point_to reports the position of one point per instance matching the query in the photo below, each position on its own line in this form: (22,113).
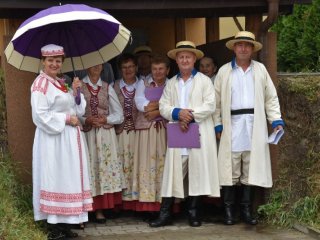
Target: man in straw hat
(245,97)
(144,56)
(188,98)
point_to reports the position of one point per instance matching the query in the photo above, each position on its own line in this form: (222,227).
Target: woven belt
(242,111)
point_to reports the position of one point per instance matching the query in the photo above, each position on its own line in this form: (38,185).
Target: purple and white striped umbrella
(90,36)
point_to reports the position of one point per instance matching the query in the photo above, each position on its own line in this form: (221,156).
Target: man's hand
(218,135)
(185,115)
(279,127)
(183,126)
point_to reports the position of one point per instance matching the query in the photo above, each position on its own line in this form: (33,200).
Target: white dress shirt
(184,88)
(242,96)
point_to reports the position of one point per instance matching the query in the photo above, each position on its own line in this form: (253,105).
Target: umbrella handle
(78,97)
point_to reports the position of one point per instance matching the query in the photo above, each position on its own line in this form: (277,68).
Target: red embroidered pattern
(40,85)
(61,87)
(64,197)
(66,210)
(80,155)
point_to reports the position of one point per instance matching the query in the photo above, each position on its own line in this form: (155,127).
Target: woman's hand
(96,121)
(100,121)
(89,121)
(154,105)
(74,121)
(77,83)
(152,115)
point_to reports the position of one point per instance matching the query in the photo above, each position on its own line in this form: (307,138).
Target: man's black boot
(229,200)
(246,205)
(193,211)
(165,217)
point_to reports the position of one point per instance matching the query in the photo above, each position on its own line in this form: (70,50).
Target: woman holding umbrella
(102,112)
(61,189)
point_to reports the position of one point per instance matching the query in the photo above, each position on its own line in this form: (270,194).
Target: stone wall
(295,196)
(299,151)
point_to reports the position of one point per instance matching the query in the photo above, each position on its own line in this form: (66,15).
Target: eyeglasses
(128,67)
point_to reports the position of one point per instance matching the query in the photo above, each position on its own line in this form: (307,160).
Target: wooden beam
(236,21)
(152,8)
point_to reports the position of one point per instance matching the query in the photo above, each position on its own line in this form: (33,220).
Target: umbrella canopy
(90,36)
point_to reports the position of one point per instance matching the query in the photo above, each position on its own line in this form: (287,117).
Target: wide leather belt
(242,111)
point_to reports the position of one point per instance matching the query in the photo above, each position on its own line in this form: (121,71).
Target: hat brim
(256,45)
(173,53)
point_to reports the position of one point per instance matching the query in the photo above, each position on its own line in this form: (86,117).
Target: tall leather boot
(246,205)
(229,200)
(193,211)
(55,233)
(165,217)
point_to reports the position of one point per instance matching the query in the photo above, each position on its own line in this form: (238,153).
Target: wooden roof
(153,8)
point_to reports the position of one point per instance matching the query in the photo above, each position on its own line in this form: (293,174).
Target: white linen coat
(202,164)
(266,103)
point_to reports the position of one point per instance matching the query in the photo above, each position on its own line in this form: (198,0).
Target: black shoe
(246,215)
(229,200)
(246,203)
(66,230)
(55,232)
(228,215)
(100,220)
(193,211)
(165,217)
(194,220)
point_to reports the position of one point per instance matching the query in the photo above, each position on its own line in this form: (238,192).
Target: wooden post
(212,29)
(180,29)
(253,23)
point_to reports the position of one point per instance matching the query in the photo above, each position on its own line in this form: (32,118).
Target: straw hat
(142,50)
(185,46)
(52,50)
(244,36)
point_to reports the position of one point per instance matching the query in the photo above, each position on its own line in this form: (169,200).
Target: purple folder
(179,139)
(153,93)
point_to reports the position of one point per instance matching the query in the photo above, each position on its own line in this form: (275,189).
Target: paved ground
(133,228)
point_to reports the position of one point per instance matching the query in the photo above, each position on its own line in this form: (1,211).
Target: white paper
(275,136)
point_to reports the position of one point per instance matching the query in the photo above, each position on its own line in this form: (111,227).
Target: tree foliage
(299,39)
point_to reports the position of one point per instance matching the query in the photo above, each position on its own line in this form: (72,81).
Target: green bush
(299,39)
(16,215)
